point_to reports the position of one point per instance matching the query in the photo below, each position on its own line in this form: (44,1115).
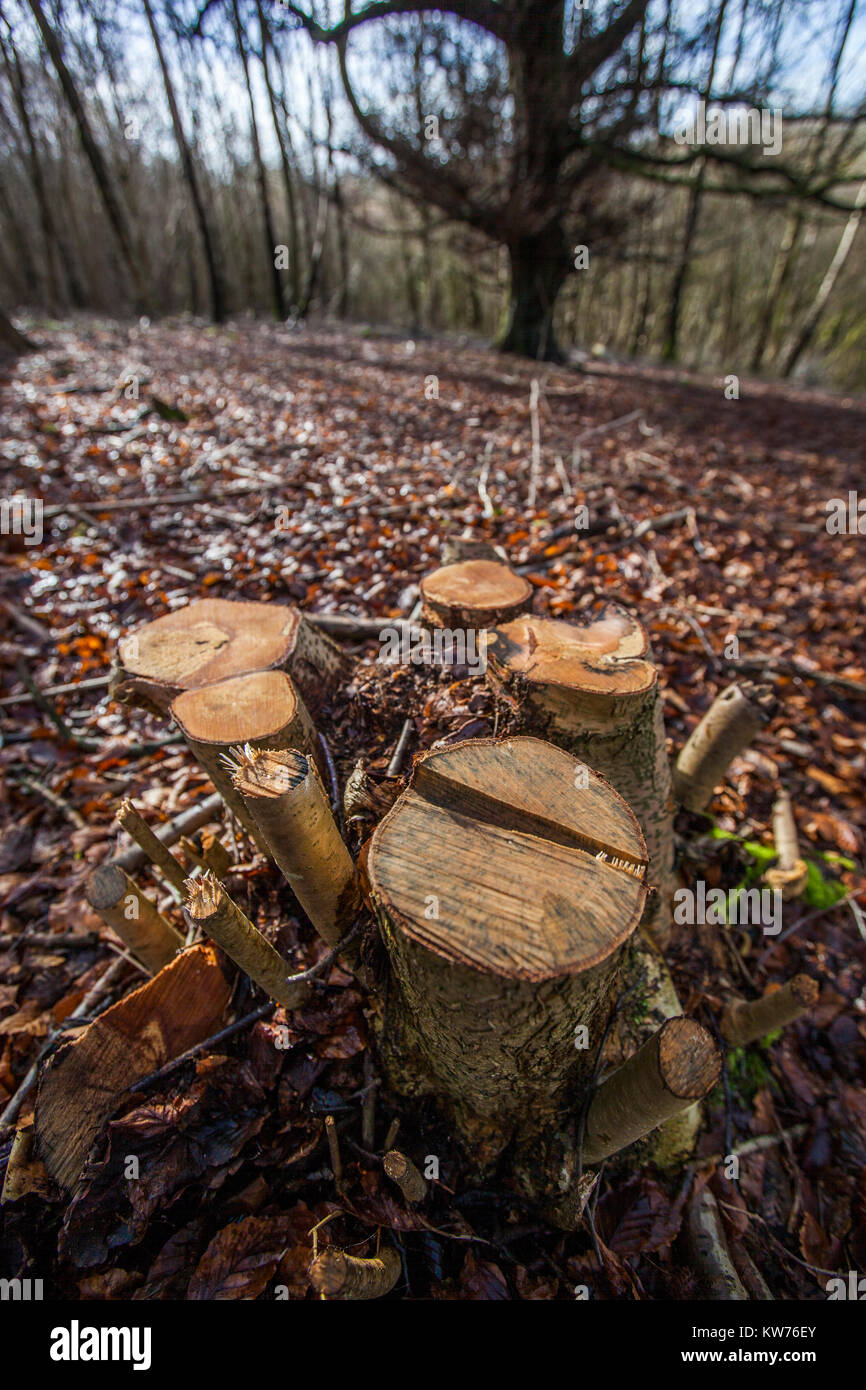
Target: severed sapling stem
(676,1067)
(157,852)
(134,917)
(285,798)
(744,1021)
(210,907)
(727,728)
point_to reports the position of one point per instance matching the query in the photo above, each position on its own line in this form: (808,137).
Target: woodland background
(154,156)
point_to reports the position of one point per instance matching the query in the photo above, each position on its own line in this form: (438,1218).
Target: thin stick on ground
(157,852)
(334,1150)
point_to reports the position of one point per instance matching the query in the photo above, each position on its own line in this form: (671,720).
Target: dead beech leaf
(241,1259)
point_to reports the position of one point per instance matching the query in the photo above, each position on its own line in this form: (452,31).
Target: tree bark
(505,897)
(590,690)
(540,265)
(217,298)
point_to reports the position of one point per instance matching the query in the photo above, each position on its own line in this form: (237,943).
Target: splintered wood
(83,1082)
(283,795)
(262,710)
(505,888)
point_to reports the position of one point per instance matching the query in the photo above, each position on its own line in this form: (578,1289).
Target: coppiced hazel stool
(590,688)
(263,710)
(214,639)
(505,892)
(473,594)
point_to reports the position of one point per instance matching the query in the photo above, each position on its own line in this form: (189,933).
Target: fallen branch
(336,1275)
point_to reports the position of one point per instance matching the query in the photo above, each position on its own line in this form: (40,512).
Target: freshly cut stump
(263,710)
(505,893)
(473,594)
(590,689)
(214,639)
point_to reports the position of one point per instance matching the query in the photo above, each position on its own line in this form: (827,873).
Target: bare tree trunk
(802,340)
(696,194)
(104,183)
(288,179)
(261,174)
(217,299)
(56,248)
(10,337)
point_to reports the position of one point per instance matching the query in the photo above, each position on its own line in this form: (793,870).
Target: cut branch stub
(212,640)
(727,728)
(284,796)
(675,1068)
(336,1275)
(473,594)
(262,709)
(590,689)
(210,907)
(505,892)
(744,1021)
(134,917)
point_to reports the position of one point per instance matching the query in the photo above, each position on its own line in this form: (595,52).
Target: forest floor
(328,468)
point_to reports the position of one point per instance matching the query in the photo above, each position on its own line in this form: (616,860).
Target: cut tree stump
(590,689)
(213,640)
(83,1082)
(474,594)
(505,892)
(263,710)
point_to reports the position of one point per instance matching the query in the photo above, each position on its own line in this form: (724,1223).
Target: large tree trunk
(540,265)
